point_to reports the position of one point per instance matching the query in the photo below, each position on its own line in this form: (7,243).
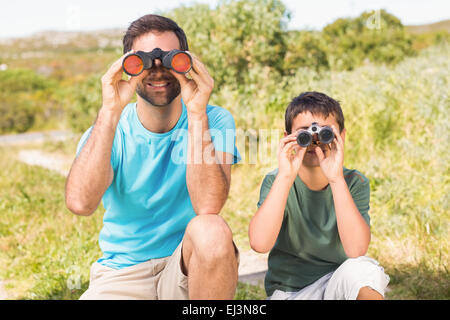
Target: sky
(24,17)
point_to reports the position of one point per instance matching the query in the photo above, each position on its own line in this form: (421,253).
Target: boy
(313,214)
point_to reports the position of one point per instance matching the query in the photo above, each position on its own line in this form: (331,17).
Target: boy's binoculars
(177,60)
(306,137)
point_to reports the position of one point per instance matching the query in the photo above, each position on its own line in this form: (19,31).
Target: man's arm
(208,172)
(91,172)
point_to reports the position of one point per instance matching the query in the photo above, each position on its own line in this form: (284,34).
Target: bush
(236,37)
(373,36)
(27,99)
(306,49)
(83,100)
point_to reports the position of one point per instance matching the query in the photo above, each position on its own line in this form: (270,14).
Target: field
(398,135)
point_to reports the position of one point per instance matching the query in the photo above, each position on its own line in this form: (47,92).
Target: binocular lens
(181,62)
(304,139)
(326,136)
(133,65)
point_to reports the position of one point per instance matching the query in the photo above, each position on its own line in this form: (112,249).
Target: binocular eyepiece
(325,135)
(177,60)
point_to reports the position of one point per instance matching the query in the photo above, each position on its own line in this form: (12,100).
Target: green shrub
(27,99)
(373,36)
(236,36)
(83,100)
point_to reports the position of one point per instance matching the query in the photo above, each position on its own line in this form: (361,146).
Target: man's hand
(332,165)
(288,162)
(196,91)
(116,92)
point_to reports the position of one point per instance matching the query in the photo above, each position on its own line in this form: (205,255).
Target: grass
(398,136)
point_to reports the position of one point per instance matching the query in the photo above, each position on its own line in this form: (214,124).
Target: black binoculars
(325,135)
(177,60)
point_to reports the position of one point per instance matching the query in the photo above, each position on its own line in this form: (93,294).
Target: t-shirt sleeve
(223,132)
(265,189)
(361,196)
(115,151)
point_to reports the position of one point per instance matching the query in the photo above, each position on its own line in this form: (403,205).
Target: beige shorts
(150,280)
(155,279)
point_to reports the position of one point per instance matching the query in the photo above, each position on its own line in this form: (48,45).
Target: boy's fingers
(319,153)
(338,136)
(287,139)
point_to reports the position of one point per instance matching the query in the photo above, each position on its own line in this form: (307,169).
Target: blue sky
(20,17)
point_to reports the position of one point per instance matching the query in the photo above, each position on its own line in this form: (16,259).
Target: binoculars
(177,60)
(325,135)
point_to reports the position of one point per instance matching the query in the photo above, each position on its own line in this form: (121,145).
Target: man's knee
(211,237)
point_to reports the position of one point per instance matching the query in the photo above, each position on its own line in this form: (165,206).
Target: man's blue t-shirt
(148,205)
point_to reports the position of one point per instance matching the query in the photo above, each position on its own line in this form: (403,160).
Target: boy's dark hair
(151,23)
(316,103)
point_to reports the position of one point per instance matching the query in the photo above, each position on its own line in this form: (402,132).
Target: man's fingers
(114,72)
(199,69)
(180,77)
(134,80)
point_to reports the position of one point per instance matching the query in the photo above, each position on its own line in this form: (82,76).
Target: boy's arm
(352,228)
(266,223)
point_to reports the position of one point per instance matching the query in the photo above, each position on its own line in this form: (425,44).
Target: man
(162,236)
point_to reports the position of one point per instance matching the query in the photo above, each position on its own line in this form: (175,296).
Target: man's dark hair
(152,23)
(318,104)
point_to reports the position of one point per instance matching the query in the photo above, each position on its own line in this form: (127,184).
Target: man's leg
(209,258)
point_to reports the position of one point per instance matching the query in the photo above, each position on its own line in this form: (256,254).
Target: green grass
(398,135)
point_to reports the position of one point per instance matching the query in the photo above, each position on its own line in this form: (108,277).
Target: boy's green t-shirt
(308,245)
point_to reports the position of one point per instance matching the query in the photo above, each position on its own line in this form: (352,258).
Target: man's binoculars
(177,60)
(325,135)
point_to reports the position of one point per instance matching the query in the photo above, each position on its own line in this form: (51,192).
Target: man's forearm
(206,180)
(91,171)
(353,229)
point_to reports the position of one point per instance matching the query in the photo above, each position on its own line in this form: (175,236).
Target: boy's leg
(360,277)
(207,261)
(367,293)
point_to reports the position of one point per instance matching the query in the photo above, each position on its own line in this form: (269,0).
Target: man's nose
(157,63)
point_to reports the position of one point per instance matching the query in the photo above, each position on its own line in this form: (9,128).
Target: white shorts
(342,284)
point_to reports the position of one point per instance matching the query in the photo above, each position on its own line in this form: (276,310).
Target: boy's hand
(288,162)
(332,166)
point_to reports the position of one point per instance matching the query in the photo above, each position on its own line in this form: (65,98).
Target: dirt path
(33,137)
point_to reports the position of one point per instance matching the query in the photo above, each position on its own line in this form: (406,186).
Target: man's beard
(159,99)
